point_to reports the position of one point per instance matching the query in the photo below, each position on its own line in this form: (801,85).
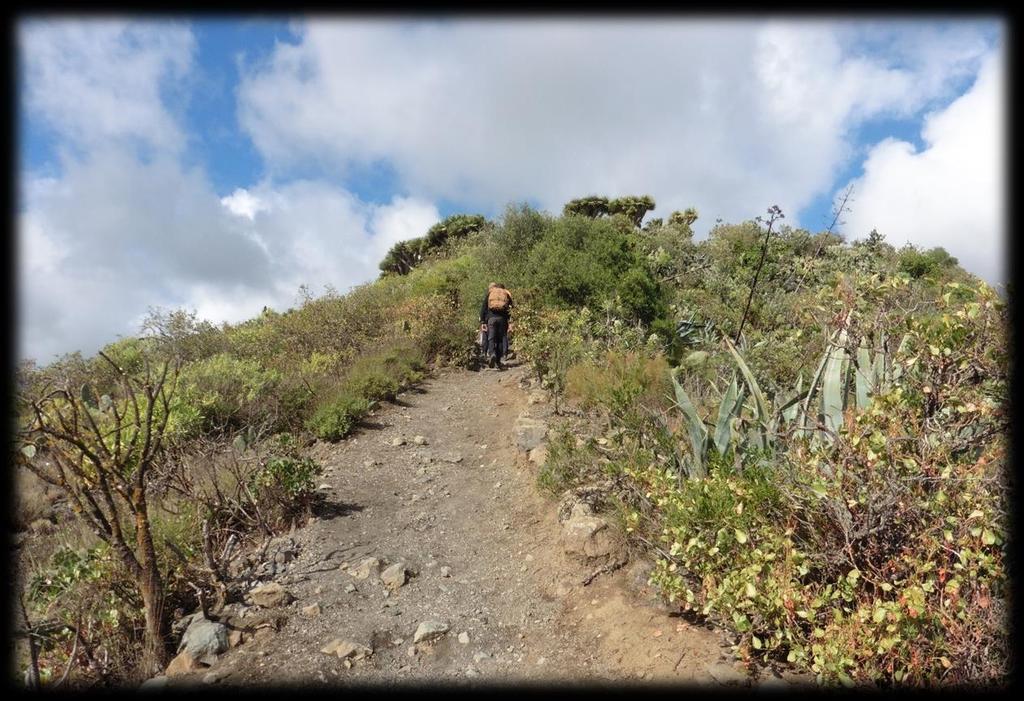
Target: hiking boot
(490,361)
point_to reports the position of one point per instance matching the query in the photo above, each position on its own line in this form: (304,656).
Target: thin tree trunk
(151,586)
(33,653)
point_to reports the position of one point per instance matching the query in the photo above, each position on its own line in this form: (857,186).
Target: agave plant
(845,383)
(746,419)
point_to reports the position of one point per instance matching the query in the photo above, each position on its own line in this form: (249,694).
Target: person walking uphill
(494,314)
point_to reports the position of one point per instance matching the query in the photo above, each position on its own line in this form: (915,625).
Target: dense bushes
(875,554)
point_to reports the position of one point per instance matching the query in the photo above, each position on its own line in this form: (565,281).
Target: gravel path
(482,546)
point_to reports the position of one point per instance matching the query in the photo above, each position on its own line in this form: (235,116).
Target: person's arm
(483,310)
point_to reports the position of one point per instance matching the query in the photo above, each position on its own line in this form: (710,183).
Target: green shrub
(921,264)
(336,417)
(223,391)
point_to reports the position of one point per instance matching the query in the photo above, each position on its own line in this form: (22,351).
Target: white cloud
(98,81)
(243,203)
(729,116)
(951,192)
(125,226)
(318,234)
(115,237)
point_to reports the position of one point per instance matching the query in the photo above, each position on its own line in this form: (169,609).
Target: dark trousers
(497,330)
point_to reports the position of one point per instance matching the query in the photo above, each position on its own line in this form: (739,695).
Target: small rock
(212,677)
(528,433)
(472,672)
(480,656)
(325,487)
(537,397)
(725,673)
(311,611)
(271,594)
(411,652)
(539,455)
(235,638)
(429,630)
(452,457)
(773,683)
(446,571)
(394,576)
(464,638)
(588,536)
(42,526)
(395,442)
(350,588)
(368,567)
(346,649)
(419,440)
(184,663)
(318,591)
(158,682)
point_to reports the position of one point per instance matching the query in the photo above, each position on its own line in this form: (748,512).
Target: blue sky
(218,165)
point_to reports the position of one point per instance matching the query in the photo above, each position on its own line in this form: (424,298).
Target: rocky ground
(438,560)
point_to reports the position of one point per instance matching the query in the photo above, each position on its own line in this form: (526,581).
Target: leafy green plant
(336,417)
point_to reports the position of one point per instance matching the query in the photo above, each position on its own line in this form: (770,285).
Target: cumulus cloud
(98,81)
(318,234)
(114,237)
(126,226)
(729,116)
(951,192)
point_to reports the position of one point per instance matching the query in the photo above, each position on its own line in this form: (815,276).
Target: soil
(483,545)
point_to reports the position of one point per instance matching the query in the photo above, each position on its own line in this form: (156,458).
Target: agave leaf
(878,370)
(803,417)
(729,408)
(762,412)
(239,443)
(789,409)
(832,386)
(865,377)
(695,427)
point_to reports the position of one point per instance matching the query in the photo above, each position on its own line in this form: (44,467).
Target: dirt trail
(464,514)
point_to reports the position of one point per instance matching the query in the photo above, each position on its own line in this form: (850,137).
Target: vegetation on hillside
(831,486)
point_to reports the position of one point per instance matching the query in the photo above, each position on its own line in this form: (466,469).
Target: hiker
(494,313)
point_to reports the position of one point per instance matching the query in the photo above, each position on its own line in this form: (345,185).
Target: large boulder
(204,639)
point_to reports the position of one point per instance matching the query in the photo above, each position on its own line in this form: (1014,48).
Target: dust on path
(466,501)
